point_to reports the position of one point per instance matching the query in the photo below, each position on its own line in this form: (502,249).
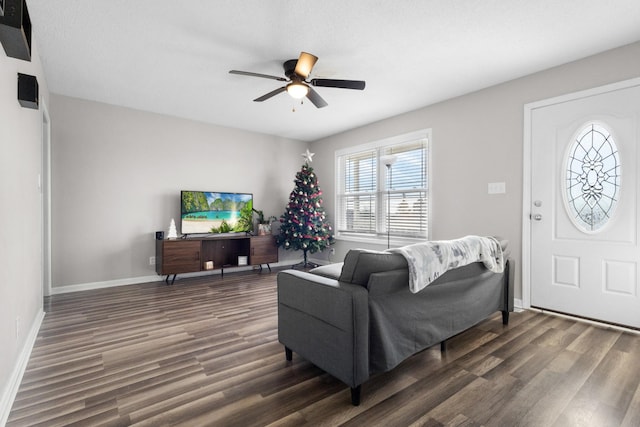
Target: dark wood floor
(205,351)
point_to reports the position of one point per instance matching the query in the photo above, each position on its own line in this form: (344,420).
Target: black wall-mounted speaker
(15,29)
(28,91)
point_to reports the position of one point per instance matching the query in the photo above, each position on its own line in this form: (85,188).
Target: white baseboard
(147,279)
(101,285)
(11,388)
(517,304)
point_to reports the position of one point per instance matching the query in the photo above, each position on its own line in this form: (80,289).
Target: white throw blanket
(428,260)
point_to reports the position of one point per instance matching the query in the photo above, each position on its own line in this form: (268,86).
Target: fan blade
(264,76)
(305,63)
(270,94)
(316,99)
(342,84)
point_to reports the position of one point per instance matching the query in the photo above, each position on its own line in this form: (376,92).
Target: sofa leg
(288,354)
(443,346)
(355,395)
(505,317)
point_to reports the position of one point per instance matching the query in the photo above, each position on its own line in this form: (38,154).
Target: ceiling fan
(297,71)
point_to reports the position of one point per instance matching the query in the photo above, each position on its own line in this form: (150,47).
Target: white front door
(584,206)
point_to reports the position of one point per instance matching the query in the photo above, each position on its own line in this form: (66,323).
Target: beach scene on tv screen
(204,211)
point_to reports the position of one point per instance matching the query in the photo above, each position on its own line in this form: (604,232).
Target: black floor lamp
(388,161)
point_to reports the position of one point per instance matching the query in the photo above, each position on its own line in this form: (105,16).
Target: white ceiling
(173,57)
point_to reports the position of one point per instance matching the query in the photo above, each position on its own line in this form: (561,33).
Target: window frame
(379,236)
(613,180)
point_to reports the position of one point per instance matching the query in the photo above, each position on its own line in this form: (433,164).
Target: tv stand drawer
(263,250)
(178,256)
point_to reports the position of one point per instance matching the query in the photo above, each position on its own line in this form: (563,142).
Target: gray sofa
(358,318)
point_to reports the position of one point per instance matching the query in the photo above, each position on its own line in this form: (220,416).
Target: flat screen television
(214,212)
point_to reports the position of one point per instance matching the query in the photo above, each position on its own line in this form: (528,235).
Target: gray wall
(117,172)
(20,217)
(117,175)
(478,139)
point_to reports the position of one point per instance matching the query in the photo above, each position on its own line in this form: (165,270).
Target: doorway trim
(527,169)
(45,190)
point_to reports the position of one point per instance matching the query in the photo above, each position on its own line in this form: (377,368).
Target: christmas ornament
(173,234)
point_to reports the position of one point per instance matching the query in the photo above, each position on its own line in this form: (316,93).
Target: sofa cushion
(332,271)
(359,264)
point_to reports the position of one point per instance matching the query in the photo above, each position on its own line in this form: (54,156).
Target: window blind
(372,199)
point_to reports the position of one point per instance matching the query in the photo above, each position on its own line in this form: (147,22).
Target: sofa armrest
(332,271)
(388,282)
(326,322)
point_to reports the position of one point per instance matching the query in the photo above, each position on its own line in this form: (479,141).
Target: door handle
(537,217)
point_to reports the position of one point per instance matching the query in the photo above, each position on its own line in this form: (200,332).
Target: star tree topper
(308,156)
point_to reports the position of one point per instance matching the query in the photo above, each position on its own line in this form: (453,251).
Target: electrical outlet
(152,260)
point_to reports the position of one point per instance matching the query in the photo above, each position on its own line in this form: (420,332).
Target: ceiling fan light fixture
(297,90)
(296,73)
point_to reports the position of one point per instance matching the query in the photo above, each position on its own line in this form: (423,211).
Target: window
(383,187)
(592,178)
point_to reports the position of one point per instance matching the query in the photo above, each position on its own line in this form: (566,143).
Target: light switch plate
(497,188)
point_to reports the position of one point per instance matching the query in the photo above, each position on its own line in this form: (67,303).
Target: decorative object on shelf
(15,29)
(303,223)
(208,265)
(173,234)
(243,260)
(264,229)
(264,225)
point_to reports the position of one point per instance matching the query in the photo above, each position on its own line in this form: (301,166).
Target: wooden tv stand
(190,255)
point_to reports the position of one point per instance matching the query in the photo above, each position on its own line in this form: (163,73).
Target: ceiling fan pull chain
(293,110)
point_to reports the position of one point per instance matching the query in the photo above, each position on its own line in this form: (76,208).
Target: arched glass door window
(592,178)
